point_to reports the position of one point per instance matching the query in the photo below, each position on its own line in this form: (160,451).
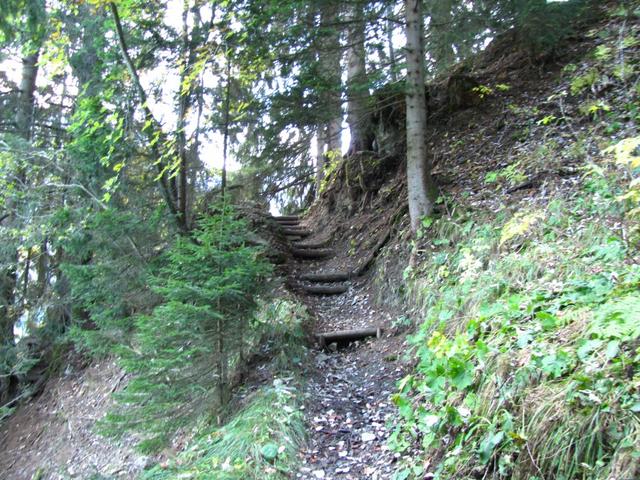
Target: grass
(262,438)
(528,351)
(260,441)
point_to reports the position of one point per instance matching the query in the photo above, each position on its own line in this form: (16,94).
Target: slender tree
(421,188)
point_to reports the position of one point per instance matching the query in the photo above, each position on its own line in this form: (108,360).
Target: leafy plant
(584,81)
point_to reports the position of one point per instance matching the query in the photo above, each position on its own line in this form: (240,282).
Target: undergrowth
(528,347)
(528,356)
(261,439)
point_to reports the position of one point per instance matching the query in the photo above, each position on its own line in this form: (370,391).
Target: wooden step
(344,337)
(287,218)
(311,254)
(288,223)
(293,238)
(301,232)
(320,244)
(325,289)
(326,277)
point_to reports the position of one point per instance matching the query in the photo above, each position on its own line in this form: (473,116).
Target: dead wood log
(311,254)
(325,289)
(344,337)
(327,277)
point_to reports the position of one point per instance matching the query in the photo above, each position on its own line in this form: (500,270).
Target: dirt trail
(349,412)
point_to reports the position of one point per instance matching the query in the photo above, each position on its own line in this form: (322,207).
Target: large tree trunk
(329,56)
(330,67)
(24,113)
(422,190)
(358,114)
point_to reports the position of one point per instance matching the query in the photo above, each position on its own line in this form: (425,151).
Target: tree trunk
(227,120)
(393,68)
(329,56)
(358,114)
(320,157)
(184,103)
(168,186)
(24,113)
(422,190)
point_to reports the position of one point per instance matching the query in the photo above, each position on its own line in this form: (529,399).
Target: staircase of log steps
(320,283)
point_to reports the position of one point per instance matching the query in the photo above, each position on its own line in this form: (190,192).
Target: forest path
(347,389)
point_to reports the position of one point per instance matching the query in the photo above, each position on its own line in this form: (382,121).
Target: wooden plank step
(327,277)
(344,337)
(286,217)
(288,223)
(293,238)
(311,254)
(320,244)
(325,289)
(301,232)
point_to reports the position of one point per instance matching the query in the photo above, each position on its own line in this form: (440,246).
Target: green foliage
(584,81)
(525,352)
(184,352)
(260,442)
(262,439)
(510,175)
(108,277)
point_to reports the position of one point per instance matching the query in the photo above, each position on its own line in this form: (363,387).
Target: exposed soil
(349,410)
(53,436)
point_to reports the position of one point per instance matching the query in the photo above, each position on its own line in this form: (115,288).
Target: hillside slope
(511,318)
(522,293)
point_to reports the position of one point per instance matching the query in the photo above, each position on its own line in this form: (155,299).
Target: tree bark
(422,190)
(227,120)
(393,68)
(184,103)
(26,97)
(320,157)
(358,114)
(167,185)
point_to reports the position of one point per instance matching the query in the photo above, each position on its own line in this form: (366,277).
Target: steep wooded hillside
(500,339)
